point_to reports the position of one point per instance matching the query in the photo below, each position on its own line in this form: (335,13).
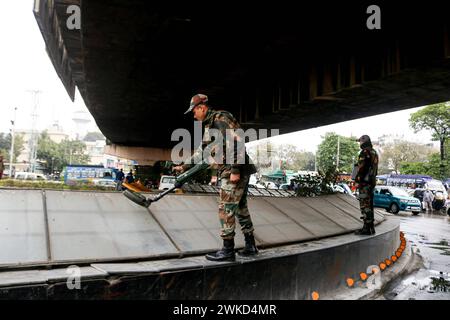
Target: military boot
(365,231)
(372,228)
(250,246)
(224,254)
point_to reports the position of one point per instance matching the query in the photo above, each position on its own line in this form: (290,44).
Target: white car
(29,176)
(166,182)
(107,183)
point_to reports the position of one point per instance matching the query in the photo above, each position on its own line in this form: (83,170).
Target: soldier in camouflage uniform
(234,178)
(366,180)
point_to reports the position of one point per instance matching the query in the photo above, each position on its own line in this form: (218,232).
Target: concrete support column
(446,42)
(279,96)
(397,57)
(257,102)
(313,83)
(327,80)
(143,156)
(352,71)
(338,77)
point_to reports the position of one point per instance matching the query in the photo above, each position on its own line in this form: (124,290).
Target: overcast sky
(24,65)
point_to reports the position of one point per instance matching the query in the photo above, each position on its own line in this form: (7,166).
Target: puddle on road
(442,245)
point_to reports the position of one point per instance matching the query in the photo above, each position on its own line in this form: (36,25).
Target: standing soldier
(234,178)
(366,180)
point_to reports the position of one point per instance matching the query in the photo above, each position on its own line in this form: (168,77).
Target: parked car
(107,183)
(166,182)
(30,176)
(394,199)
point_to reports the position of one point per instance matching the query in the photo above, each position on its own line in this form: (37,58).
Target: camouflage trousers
(232,204)
(366,202)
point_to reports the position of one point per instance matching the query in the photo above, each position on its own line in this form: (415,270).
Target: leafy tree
(400,151)
(5,145)
(328,150)
(58,155)
(432,166)
(436,118)
(286,154)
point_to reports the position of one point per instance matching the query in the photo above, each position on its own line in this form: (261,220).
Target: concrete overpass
(273,66)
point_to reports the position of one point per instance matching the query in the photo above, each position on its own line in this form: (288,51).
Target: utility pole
(315,161)
(34,134)
(337,157)
(11,151)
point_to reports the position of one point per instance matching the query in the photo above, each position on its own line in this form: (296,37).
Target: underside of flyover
(273,66)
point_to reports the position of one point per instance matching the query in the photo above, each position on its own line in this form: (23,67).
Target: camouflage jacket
(367,167)
(238,162)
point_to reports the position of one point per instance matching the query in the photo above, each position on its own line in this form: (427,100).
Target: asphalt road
(429,273)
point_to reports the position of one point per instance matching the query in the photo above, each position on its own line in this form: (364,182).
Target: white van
(29,176)
(166,182)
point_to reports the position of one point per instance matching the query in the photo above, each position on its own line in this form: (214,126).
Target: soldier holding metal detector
(231,165)
(234,176)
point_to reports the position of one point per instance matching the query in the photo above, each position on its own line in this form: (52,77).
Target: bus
(74,174)
(408,181)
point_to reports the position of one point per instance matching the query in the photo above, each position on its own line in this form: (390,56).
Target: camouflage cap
(364,138)
(196,100)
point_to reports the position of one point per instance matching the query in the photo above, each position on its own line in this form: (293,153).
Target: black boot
(365,231)
(250,246)
(225,254)
(372,228)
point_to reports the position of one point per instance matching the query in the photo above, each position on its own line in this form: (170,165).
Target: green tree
(287,155)
(327,154)
(400,151)
(432,166)
(48,151)
(304,161)
(58,155)
(5,145)
(73,152)
(436,118)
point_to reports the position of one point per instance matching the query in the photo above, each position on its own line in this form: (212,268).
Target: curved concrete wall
(285,272)
(50,227)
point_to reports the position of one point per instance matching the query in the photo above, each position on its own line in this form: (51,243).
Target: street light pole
(338,151)
(11,151)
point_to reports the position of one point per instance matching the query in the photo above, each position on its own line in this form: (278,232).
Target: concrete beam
(144,156)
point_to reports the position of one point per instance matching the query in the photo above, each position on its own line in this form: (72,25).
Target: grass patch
(10,183)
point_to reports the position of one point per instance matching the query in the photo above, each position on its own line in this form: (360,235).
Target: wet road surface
(429,273)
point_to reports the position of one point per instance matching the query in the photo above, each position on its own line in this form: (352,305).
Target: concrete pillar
(279,96)
(143,155)
(338,77)
(274,110)
(388,62)
(240,108)
(257,102)
(291,94)
(363,72)
(446,42)
(352,71)
(397,57)
(327,80)
(313,83)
